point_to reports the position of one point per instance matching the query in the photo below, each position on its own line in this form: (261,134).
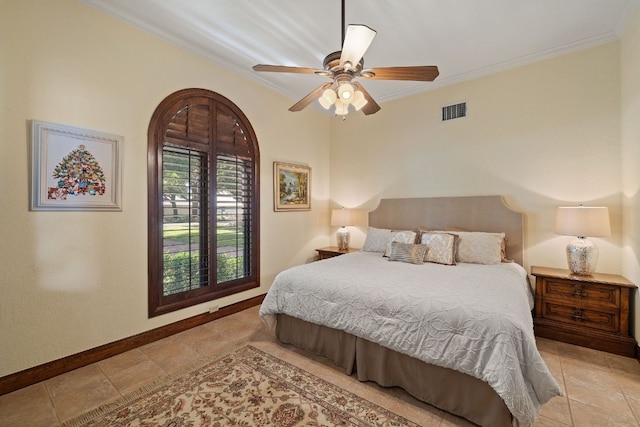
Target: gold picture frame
(291,187)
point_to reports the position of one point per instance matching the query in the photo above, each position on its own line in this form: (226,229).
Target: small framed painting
(74,169)
(291,187)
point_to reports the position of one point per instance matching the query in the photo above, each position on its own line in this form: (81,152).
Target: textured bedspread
(471,318)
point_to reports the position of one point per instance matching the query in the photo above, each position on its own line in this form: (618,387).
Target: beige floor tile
(593,385)
(80,390)
(198,333)
(574,353)
(624,364)
(593,416)
(171,354)
(554,363)
(30,406)
(450,420)
(205,341)
(630,386)
(250,318)
(402,403)
(543,421)
(231,329)
(557,409)
(547,346)
(131,370)
(603,396)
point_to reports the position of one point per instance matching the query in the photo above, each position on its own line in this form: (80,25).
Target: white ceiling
(464,38)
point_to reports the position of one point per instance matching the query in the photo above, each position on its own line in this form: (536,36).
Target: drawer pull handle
(578,314)
(579,292)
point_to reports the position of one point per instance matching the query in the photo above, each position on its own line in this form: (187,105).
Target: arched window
(203,179)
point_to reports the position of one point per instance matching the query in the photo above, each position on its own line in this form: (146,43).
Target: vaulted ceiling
(464,38)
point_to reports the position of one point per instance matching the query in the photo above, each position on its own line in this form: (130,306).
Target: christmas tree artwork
(78,174)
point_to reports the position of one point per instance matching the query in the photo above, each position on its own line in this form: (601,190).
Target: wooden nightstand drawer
(601,320)
(592,311)
(583,294)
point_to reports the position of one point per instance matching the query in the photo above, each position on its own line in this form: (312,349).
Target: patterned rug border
(127,398)
(155,386)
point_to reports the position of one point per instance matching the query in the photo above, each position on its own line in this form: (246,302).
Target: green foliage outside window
(179,278)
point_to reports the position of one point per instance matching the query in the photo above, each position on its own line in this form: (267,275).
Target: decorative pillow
(479,247)
(503,246)
(442,247)
(402,237)
(408,252)
(377,240)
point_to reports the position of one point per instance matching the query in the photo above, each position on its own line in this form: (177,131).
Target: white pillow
(377,240)
(401,237)
(479,247)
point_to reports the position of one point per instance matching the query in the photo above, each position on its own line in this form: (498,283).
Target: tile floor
(600,389)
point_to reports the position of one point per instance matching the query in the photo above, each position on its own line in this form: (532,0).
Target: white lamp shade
(359,100)
(328,98)
(583,221)
(342,109)
(341,217)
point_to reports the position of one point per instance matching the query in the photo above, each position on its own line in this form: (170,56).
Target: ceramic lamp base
(582,256)
(343,239)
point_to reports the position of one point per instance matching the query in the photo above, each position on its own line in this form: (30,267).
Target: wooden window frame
(218,106)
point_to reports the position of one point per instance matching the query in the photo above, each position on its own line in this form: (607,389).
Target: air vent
(454,111)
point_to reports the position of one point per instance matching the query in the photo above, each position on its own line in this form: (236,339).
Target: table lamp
(342,218)
(582,222)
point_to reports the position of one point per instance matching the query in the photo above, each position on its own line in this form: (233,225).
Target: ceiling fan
(346,65)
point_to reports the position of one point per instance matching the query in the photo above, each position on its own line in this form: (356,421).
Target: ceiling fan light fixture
(345,92)
(342,109)
(359,100)
(328,98)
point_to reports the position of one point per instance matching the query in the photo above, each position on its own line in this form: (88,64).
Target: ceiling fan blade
(356,42)
(420,73)
(284,69)
(371,107)
(309,98)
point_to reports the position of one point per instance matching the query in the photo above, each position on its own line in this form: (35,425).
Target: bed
(455,333)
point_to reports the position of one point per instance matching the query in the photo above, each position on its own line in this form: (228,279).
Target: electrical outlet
(214,308)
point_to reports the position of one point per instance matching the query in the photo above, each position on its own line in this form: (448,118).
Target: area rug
(246,387)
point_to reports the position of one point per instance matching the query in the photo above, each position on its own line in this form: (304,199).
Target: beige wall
(631,156)
(543,135)
(71,281)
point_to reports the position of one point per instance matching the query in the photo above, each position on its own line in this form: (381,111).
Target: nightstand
(331,251)
(591,311)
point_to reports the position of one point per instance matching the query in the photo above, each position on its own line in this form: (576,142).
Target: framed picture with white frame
(74,169)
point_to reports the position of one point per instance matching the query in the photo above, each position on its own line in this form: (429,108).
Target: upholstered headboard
(471,213)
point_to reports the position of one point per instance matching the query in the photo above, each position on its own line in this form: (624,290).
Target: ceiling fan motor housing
(332,63)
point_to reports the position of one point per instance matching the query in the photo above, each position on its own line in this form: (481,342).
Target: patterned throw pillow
(442,247)
(480,248)
(408,252)
(402,237)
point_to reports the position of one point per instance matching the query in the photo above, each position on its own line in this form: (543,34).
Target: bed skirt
(444,388)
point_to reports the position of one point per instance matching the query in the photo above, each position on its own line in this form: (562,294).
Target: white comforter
(471,318)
